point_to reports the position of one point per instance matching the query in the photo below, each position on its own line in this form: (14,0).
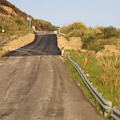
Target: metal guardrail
(60,32)
(107,105)
(116,114)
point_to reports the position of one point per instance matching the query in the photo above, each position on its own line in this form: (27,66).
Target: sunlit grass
(103,73)
(73,73)
(110,78)
(2,52)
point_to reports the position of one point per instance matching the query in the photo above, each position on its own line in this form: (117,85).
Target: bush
(18,21)
(45,25)
(73,26)
(88,41)
(91,41)
(78,25)
(110,32)
(67,38)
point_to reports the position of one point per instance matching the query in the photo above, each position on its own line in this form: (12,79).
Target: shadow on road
(42,45)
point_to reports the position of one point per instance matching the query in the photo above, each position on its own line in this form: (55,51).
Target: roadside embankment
(16,43)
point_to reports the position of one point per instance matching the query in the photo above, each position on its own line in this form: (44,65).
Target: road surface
(34,85)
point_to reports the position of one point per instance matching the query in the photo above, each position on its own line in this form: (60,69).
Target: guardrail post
(109,104)
(105,114)
(62,52)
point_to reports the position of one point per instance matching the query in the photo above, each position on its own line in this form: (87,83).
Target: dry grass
(3,52)
(104,74)
(110,77)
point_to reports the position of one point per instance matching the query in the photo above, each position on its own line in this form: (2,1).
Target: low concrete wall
(45,32)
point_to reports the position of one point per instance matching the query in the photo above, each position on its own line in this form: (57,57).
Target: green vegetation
(45,25)
(18,21)
(14,21)
(110,78)
(111,32)
(14,26)
(19,26)
(74,26)
(91,70)
(103,73)
(92,38)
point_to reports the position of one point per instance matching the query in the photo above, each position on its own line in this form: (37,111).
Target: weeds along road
(34,85)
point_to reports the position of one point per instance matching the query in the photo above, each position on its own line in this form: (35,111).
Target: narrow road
(34,85)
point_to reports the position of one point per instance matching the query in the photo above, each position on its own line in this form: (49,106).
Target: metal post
(29,21)
(58,30)
(2,23)
(105,114)
(3,26)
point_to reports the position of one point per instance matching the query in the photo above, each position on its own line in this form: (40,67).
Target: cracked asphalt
(34,85)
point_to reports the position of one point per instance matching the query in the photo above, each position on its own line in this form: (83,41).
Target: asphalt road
(34,85)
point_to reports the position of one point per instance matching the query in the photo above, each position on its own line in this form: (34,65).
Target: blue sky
(63,12)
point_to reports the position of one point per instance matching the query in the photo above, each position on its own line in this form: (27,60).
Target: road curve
(34,85)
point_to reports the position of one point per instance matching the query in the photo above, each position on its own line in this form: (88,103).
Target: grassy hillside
(15,21)
(102,71)
(93,38)
(15,24)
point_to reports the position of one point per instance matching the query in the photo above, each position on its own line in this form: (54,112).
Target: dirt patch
(110,50)
(74,43)
(16,43)
(9,10)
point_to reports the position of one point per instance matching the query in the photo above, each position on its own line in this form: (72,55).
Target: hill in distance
(14,20)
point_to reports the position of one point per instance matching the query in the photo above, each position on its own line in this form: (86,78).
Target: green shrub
(87,41)
(77,25)
(74,26)
(110,32)
(18,21)
(67,38)
(45,25)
